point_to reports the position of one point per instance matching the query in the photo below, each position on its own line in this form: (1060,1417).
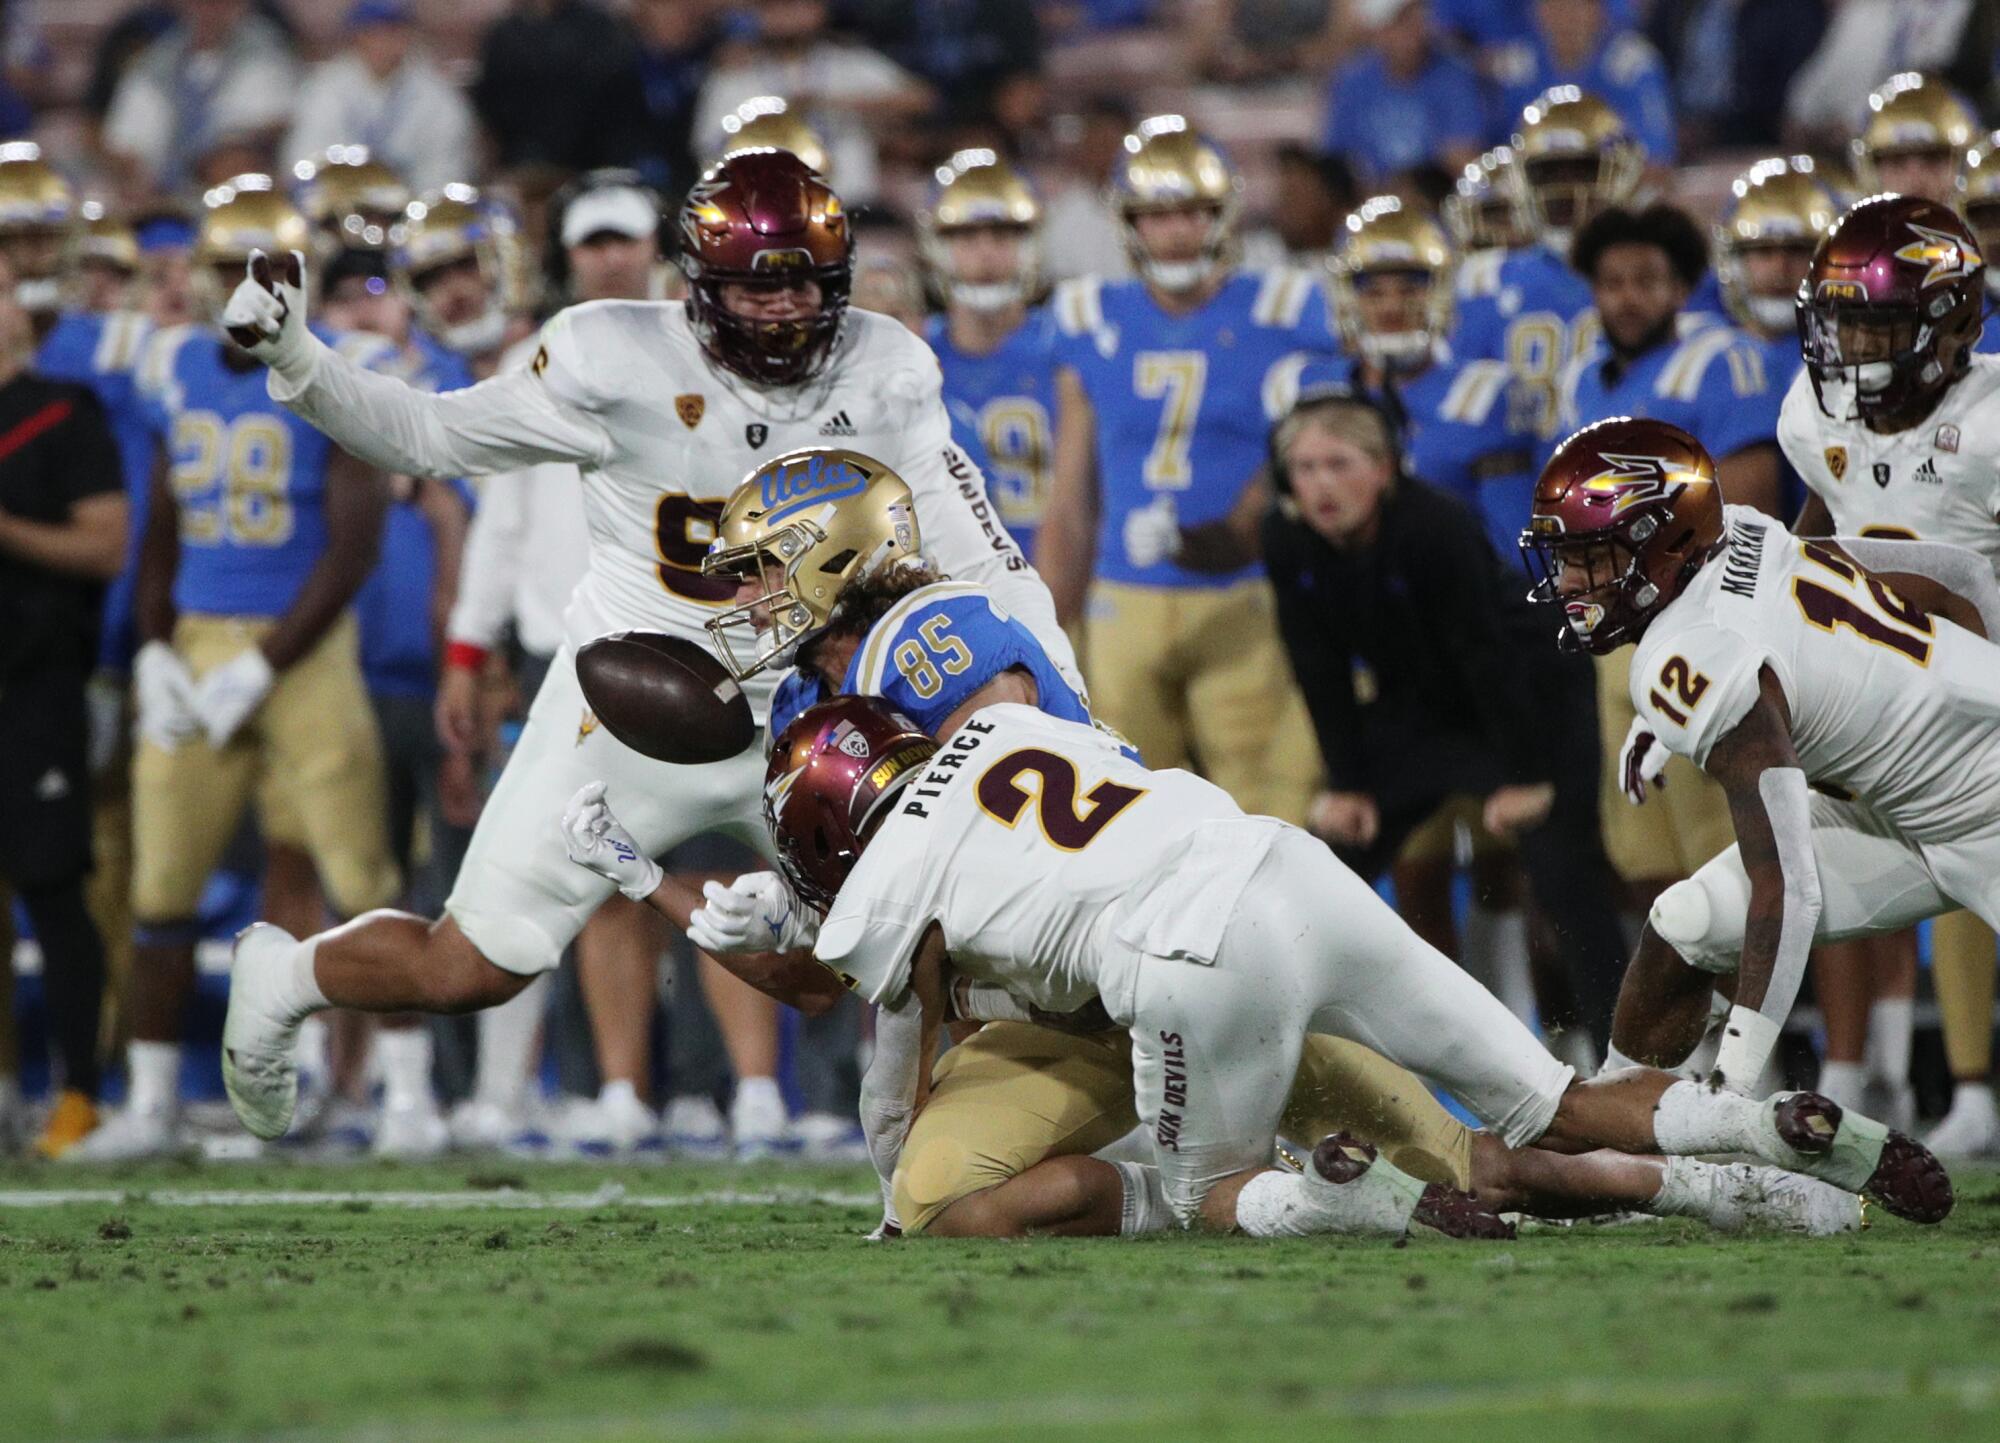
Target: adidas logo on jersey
(1927,474)
(839,425)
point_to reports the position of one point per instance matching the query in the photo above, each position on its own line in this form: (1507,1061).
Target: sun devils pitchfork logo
(1947,256)
(1629,480)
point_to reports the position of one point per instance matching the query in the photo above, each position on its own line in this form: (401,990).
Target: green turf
(774,1320)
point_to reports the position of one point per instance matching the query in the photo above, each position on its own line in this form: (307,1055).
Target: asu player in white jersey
(661,405)
(1894,427)
(1032,854)
(1852,718)
(1161,419)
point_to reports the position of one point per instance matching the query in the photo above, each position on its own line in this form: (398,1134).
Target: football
(665,697)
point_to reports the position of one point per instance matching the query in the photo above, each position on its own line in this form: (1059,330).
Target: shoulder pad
(1078,305)
(1473,391)
(159,358)
(1680,379)
(1281,298)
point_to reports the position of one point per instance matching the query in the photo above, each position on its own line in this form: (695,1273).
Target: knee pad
(1695,921)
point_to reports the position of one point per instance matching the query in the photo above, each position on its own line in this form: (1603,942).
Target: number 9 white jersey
(1899,709)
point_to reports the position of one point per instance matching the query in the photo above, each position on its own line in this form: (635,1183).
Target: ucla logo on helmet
(814,477)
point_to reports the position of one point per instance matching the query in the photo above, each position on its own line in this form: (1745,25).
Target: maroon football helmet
(1625,513)
(1891,309)
(833,773)
(763,218)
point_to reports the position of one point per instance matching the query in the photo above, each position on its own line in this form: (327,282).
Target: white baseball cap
(620,209)
(1377,13)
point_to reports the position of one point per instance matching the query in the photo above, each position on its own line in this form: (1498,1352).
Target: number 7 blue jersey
(927,657)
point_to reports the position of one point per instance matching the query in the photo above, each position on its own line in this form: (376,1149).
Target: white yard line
(610,1195)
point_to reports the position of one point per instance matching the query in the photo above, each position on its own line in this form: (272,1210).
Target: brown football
(665,697)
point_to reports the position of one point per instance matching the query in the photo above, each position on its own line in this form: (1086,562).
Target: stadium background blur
(143,106)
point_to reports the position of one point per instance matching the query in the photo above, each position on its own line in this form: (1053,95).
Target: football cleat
(1970,1129)
(1903,1176)
(259,1067)
(73,1118)
(411,1129)
(615,1124)
(761,1126)
(695,1127)
(1445,1209)
(1769,1197)
(132,1135)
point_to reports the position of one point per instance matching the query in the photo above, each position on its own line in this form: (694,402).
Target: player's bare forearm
(1069,526)
(357,496)
(159,560)
(1814,518)
(1010,686)
(793,978)
(930,982)
(1747,762)
(444,508)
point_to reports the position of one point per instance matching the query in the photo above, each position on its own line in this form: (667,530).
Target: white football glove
(596,839)
(1641,761)
(758,912)
(229,695)
(1153,533)
(165,696)
(266,314)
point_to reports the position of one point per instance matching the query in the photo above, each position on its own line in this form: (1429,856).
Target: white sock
(759,1092)
(1295,1205)
(311,1051)
(1844,1082)
(1507,947)
(618,1091)
(1890,1023)
(153,1073)
(299,992)
(507,1046)
(403,1057)
(1690,1118)
(1977,1096)
(1687,1189)
(1616,1061)
(1145,1209)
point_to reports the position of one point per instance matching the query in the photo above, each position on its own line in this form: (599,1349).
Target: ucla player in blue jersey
(258,536)
(1162,413)
(1571,157)
(1979,203)
(981,244)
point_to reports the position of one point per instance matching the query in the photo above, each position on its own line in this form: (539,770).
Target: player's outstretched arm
(514,419)
(1068,538)
(1771,809)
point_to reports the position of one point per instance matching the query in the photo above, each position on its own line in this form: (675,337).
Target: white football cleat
(410,1129)
(760,1125)
(617,1124)
(1971,1128)
(259,1067)
(695,1126)
(829,1137)
(479,1124)
(132,1135)
(1770,1197)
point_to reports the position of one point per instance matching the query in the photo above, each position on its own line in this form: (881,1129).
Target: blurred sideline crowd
(1259,316)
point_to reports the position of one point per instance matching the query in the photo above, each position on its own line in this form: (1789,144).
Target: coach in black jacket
(1428,680)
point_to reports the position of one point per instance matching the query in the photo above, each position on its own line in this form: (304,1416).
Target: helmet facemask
(1616,599)
(1176,277)
(784,352)
(767,629)
(1869,360)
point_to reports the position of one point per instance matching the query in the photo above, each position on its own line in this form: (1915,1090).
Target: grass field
(439,1303)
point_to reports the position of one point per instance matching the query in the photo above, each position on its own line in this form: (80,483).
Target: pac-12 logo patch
(1836,462)
(1947,438)
(689,409)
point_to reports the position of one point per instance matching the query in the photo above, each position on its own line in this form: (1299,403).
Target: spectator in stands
(1576,42)
(1428,679)
(558,90)
(1484,23)
(1083,230)
(222,77)
(1079,19)
(1315,192)
(850,95)
(383,92)
(1243,42)
(966,50)
(1404,101)
(1870,40)
(62,536)
(1732,64)
(677,44)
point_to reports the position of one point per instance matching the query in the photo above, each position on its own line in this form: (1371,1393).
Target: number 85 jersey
(1900,709)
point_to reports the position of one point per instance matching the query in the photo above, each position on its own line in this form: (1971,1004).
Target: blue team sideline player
(981,243)
(259,533)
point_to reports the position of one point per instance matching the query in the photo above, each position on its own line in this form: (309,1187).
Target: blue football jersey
(101,350)
(1989,339)
(1711,382)
(393,606)
(1530,311)
(1183,401)
(1003,407)
(248,477)
(1626,72)
(934,649)
(1456,436)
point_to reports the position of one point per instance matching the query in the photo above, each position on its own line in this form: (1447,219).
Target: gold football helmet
(1777,205)
(766,121)
(245,213)
(1573,157)
(108,238)
(1169,166)
(37,224)
(1979,201)
(977,189)
(1910,117)
(449,227)
(1382,239)
(803,526)
(352,199)
(1483,210)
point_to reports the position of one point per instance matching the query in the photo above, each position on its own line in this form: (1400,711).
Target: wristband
(1747,1039)
(465,655)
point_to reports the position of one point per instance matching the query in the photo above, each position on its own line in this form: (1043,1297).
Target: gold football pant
(1013,1094)
(1962,961)
(313,739)
(1680,827)
(1198,677)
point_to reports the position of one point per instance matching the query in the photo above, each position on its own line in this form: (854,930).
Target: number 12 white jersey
(1900,709)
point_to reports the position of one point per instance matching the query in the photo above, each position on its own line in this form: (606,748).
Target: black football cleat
(1460,1215)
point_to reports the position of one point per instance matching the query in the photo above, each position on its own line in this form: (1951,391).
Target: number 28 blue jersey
(248,477)
(1003,406)
(929,654)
